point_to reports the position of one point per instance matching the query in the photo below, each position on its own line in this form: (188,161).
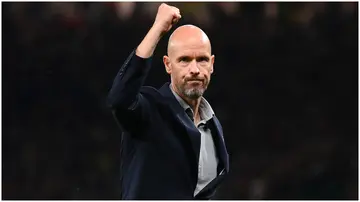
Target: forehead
(191,49)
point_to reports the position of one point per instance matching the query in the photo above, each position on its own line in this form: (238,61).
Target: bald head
(187,35)
(189,61)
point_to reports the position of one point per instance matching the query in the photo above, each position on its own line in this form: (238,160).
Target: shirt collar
(205,110)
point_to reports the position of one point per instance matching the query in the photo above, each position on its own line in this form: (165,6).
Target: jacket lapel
(184,119)
(192,132)
(224,157)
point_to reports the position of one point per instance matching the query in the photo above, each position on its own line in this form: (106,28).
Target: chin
(194,93)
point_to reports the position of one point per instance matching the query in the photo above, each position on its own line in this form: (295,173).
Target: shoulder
(152,94)
(156,98)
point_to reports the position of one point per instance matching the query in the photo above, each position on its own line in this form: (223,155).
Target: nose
(194,68)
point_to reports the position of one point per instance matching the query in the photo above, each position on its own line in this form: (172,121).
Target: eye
(184,59)
(203,59)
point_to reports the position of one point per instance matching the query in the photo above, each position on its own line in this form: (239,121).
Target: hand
(166,17)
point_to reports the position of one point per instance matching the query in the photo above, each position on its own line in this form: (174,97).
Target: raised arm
(124,96)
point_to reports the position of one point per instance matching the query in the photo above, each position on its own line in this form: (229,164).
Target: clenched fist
(166,17)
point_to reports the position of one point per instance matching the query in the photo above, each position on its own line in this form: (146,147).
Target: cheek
(178,74)
(207,72)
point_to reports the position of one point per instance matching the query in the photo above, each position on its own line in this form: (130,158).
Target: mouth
(194,81)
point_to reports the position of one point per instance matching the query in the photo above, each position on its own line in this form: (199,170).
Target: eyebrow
(186,57)
(204,57)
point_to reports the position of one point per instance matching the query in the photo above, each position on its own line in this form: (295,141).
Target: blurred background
(285,89)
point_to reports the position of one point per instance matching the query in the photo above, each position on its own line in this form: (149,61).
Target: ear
(167,64)
(212,60)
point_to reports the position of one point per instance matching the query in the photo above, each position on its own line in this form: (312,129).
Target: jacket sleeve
(124,97)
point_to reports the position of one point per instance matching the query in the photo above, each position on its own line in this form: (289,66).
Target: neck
(194,104)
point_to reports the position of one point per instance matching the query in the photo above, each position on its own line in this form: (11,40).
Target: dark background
(285,89)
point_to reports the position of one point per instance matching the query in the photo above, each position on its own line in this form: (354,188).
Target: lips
(200,80)
(194,81)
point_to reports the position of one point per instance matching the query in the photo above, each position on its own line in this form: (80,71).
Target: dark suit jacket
(161,145)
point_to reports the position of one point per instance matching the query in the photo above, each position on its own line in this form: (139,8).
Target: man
(173,146)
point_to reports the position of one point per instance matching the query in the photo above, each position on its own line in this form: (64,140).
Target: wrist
(149,43)
(158,30)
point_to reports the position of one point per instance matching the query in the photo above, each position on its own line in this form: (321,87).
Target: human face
(190,66)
